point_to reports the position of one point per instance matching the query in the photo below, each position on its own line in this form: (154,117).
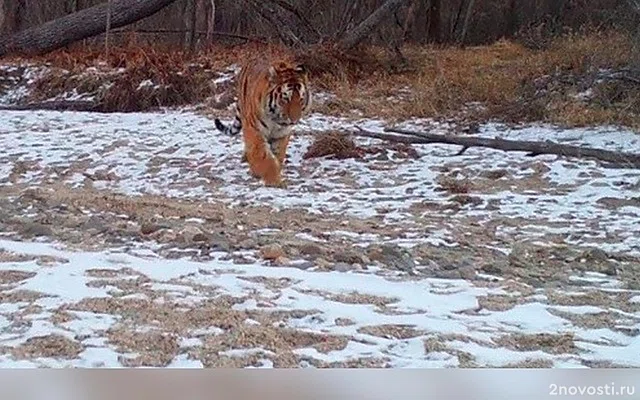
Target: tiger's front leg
(262,162)
(279,149)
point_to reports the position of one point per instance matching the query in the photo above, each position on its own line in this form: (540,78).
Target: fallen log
(53,105)
(80,25)
(615,158)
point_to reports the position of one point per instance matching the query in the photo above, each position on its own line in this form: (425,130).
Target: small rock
(242,260)
(467,273)
(282,261)
(596,254)
(187,235)
(451,274)
(343,267)
(343,322)
(322,263)
(492,269)
(219,243)
(449,266)
(96,224)
(248,244)
(271,252)
(392,256)
(311,250)
(350,257)
(148,228)
(200,237)
(36,229)
(302,265)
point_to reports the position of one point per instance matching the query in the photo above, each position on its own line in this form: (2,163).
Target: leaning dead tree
(635,56)
(620,159)
(366,27)
(80,25)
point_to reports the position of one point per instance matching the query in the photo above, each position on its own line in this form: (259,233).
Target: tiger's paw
(279,184)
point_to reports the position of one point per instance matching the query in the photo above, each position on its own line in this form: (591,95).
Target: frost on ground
(140,239)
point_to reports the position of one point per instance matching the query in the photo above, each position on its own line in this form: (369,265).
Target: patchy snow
(181,155)
(431,306)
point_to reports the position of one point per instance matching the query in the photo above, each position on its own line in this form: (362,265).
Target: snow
(180,155)
(430,305)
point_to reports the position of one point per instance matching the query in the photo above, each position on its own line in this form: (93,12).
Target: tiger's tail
(230,130)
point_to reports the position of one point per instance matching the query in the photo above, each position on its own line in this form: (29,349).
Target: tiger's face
(289,96)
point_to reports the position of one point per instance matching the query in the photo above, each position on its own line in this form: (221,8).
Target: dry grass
(335,145)
(504,78)
(339,145)
(505,81)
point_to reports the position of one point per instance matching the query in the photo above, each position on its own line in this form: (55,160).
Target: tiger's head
(289,95)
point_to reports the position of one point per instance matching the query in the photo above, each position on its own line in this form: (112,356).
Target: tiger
(272,97)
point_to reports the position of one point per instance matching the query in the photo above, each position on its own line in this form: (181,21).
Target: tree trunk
(354,37)
(465,24)
(190,19)
(81,25)
(211,21)
(435,21)
(635,50)
(11,16)
(512,19)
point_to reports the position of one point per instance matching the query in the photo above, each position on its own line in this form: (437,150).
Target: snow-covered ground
(128,304)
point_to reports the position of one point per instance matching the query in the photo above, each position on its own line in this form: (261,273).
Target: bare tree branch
(627,160)
(267,11)
(296,11)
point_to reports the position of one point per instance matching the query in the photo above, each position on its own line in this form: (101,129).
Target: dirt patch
(7,256)
(500,302)
(51,346)
(354,298)
(276,340)
(110,273)
(362,362)
(605,300)
(602,320)
(60,317)
(9,276)
(531,363)
(19,296)
(154,349)
(271,283)
(549,343)
(391,331)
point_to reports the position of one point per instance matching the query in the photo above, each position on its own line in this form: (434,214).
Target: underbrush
(576,80)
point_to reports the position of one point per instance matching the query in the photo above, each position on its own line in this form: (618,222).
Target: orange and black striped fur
(272,97)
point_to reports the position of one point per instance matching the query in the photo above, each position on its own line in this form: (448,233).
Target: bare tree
(83,24)
(467,19)
(357,35)
(435,21)
(211,22)
(635,56)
